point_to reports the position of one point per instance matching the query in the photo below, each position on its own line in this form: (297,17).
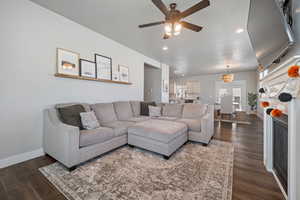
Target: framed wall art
(103,67)
(87,68)
(123,73)
(67,62)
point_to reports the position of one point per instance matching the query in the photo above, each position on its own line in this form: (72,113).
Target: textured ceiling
(208,51)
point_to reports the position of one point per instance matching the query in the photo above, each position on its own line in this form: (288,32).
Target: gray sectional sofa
(121,124)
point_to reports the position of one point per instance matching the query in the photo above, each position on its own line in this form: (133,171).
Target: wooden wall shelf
(90,79)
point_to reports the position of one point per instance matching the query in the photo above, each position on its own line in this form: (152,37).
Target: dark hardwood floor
(251,181)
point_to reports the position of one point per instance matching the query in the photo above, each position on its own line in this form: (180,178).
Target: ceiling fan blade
(190,26)
(166,36)
(161,6)
(151,24)
(195,8)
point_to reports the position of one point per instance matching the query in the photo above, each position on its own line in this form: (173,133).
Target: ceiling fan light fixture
(176,33)
(168,28)
(177,27)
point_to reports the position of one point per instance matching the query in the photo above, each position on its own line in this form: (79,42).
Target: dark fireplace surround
(280,150)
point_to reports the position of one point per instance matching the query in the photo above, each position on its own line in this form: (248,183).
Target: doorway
(236,89)
(152,83)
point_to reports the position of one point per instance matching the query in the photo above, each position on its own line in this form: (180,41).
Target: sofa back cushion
(123,110)
(136,108)
(86,106)
(71,115)
(194,110)
(172,110)
(105,112)
(145,107)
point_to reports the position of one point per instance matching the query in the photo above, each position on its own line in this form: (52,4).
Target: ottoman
(163,137)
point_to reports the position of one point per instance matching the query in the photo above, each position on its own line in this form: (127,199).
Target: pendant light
(228,77)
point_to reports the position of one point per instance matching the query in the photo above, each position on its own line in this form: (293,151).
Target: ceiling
(190,53)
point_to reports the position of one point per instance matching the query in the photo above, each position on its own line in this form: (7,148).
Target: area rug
(193,172)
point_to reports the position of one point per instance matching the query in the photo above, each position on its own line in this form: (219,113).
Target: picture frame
(87,68)
(67,62)
(123,73)
(115,76)
(103,67)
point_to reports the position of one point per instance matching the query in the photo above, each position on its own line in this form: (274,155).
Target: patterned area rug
(193,172)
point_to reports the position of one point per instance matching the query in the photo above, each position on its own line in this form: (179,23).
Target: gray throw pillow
(71,115)
(89,120)
(154,111)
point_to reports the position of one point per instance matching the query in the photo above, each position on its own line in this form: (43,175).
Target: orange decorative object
(276,113)
(265,104)
(293,71)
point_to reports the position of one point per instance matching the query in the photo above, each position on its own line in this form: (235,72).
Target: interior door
(238,91)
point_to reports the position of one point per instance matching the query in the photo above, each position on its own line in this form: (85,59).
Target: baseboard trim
(279,184)
(6,162)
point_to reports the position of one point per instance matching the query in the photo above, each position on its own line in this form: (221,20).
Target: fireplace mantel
(278,81)
(274,81)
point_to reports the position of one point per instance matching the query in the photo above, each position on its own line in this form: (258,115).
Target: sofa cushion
(89,120)
(145,107)
(193,124)
(95,136)
(123,110)
(194,110)
(138,119)
(71,115)
(119,127)
(166,118)
(136,108)
(159,130)
(172,110)
(105,112)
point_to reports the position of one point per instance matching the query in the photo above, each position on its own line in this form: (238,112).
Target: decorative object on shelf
(285,97)
(103,67)
(123,73)
(276,113)
(265,104)
(228,77)
(269,110)
(293,71)
(252,100)
(260,68)
(115,76)
(262,90)
(87,68)
(67,62)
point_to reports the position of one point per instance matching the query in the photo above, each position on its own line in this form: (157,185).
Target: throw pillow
(154,111)
(145,107)
(89,120)
(71,115)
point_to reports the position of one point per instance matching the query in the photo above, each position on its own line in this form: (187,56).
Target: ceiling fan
(173,18)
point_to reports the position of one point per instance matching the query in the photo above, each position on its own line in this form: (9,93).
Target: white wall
(29,37)
(207,83)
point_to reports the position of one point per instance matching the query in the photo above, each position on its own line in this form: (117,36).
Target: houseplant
(252,101)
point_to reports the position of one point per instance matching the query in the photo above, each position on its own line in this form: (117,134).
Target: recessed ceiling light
(165,48)
(240,30)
